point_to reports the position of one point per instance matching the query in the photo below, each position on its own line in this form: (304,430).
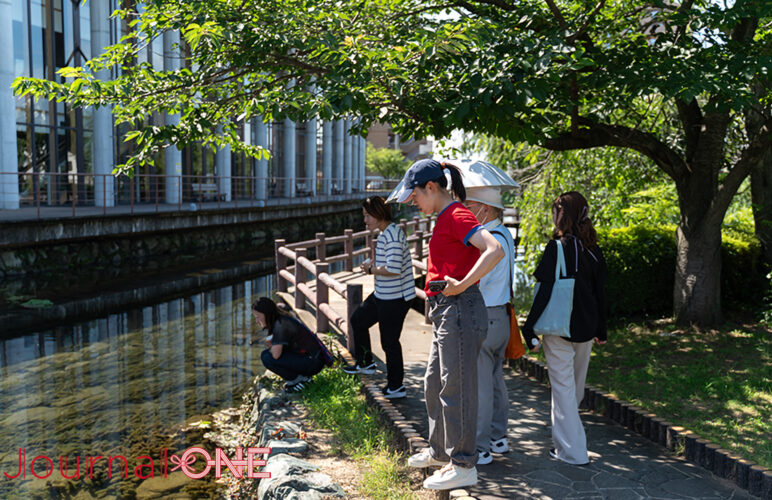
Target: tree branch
(757,147)
(691,119)
(685,6)
(500,4)
(581,31)
(593,135)
(556,12)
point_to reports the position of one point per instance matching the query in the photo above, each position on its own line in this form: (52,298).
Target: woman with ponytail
(461,252)
(568,358)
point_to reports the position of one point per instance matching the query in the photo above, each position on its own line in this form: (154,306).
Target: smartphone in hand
(437,285)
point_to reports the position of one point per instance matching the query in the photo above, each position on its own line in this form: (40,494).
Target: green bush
(641,266)
(743,280)
(641,262)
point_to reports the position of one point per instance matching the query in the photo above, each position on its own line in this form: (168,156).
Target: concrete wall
(104,242)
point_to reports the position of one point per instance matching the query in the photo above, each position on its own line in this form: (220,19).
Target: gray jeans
(450,386)
(493,403)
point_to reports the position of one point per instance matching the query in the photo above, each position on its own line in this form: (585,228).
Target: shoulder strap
(560,264)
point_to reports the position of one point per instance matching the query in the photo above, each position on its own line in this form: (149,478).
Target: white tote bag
(556,317)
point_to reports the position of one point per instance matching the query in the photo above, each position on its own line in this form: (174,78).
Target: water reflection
(116,385)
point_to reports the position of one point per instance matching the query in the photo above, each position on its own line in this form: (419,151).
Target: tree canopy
(670,81)
(389,163)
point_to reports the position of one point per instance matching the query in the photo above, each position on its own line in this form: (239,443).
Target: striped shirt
(392,252)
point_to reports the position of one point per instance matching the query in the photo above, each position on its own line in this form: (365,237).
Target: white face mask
(477,214)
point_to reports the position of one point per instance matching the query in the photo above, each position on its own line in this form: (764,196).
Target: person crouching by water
(461,252)
(293,353)
(569,358)
(389,304)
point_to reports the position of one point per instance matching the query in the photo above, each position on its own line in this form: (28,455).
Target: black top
(588,267)
(294,335)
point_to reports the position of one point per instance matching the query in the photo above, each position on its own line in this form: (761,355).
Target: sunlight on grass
(386,477)
(334,402)
(717,383)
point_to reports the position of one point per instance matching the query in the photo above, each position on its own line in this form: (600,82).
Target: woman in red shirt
(461,251)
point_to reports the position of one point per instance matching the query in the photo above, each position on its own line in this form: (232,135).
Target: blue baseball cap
(419,173)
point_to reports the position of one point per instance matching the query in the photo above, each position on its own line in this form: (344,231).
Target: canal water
(125,385)
(129,384)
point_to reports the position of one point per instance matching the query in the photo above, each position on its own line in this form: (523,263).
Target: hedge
(641,262)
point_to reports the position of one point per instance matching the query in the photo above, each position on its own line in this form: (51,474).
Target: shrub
(641,265)
(641,262)
(743,280)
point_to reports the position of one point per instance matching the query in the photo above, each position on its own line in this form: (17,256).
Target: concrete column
(310,175)
(337,155)
(172,155)
(261,139)
(9,165)
(104,140)
(288,175)
(327,141)
(354,163)
(347,157)
(362,159)
(222,165)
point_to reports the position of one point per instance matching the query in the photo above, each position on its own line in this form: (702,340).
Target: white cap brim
(400,194)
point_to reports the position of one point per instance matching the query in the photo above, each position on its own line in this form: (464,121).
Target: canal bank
(68,244)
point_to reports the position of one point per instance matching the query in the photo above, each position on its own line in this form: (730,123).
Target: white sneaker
(423,459)
(366,370)
(499,445)
(484,458)
(452,477)
(394,393)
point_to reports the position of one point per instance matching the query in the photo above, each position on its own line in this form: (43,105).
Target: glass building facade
(57,153)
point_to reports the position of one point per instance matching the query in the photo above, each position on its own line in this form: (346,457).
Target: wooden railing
(305,269)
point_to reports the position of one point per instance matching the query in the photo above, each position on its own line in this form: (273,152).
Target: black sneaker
(397,393)
(296,387)
(297,380)
(354,369)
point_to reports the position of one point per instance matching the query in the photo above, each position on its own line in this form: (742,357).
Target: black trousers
(291,364)
(390,316)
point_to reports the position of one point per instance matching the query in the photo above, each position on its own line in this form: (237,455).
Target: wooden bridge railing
(305,269)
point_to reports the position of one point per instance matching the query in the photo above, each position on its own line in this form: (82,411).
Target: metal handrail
(168,193)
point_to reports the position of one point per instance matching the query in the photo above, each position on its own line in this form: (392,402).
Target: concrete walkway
(623,465)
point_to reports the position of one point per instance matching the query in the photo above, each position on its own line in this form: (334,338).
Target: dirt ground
(343,469)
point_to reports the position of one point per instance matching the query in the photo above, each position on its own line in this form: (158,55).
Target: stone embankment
(271,419)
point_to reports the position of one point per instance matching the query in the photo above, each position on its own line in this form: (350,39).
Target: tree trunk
(697,290)
(761,196)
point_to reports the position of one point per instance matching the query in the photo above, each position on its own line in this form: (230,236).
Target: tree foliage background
(389,163)
(683,84)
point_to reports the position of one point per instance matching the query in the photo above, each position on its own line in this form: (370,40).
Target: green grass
(717,383)
(335,402)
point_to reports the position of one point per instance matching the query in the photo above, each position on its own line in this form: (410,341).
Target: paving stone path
(623,465)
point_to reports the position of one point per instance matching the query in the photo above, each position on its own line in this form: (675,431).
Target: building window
(54,141)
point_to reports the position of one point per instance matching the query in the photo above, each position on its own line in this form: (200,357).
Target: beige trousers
(567,362)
